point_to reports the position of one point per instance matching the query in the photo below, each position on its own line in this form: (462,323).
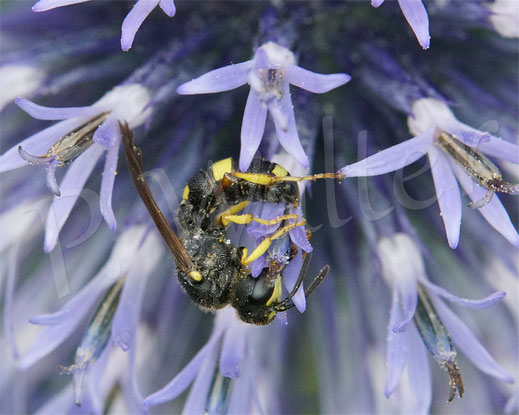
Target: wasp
(212,271)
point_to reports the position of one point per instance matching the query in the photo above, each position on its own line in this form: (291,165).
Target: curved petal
(106,134)
(314,82)
(448,194)
(396,355)
(299,237)
(36,144)
(282,112)
(465,302)
(107,184)
(419,372)
(252,129)
(391,159)
(44,5)
(233,349)
(494,212)
(376,3)
(416,15)
(218,80)
(46,113)
(469,344)
(290,275)
(168,7)
(133,21)
(407,290)
(71,186)
(52,183)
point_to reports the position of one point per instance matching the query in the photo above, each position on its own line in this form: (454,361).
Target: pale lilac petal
(290,275)
(133,21)
(51,177)
(242,393)
(252,129)
(218,80)
(282,112)
(298,237)
(448,194)
(258,265)
(469,344)
(409,296)
(194,404)
(35,145)
(494,212)
(419,372)
(314,82)
(184,378)
(71,187)
(126,318)
(396,356)
(233,349)
(46,113)
(106,134)
(484,142)
(391,159)
(44,5)
(513,403)
(266,211)
(7,315)
(416,15)
(376,3)
(465,302)
(107,184)
(168,7)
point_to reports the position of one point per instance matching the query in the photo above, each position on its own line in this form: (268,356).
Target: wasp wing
(134,160)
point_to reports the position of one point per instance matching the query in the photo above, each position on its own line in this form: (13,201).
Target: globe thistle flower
(447,143)
(82,138)
(269,74)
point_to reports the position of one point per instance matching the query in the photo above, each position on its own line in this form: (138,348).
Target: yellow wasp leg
(264,245)
(265,179)
(231,211)
(248,218)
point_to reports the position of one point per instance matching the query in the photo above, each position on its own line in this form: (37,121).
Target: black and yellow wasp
(211,270)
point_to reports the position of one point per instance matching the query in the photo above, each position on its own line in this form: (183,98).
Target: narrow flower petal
(107,184)
(416,15)
(184,378)
(71,186)
(391,159)
(51,177)
(218,80)
(133,21)
(419,372)
(252,129)
(36,144)
(314,82)
(407,289)
(8,296)
(31,159)
(376,3)
(290,275)
(299,237)
(396,355)
(494,212)
(44,5)
(465,302)
(286,128)
(46,113)
(469,344)
(168,6)
(233,348)
(448,194)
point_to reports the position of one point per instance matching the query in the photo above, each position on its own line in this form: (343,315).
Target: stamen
(437,340)
(52,184)
(29,158)
(455,382)
(480,169)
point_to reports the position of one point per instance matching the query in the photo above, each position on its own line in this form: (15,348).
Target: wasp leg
(265,244)
(248,218)
(231,211)
(265,179)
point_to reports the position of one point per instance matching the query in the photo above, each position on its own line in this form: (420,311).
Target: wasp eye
(261,293)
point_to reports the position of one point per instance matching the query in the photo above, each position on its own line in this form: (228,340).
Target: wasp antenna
(283,305)
(317,280)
